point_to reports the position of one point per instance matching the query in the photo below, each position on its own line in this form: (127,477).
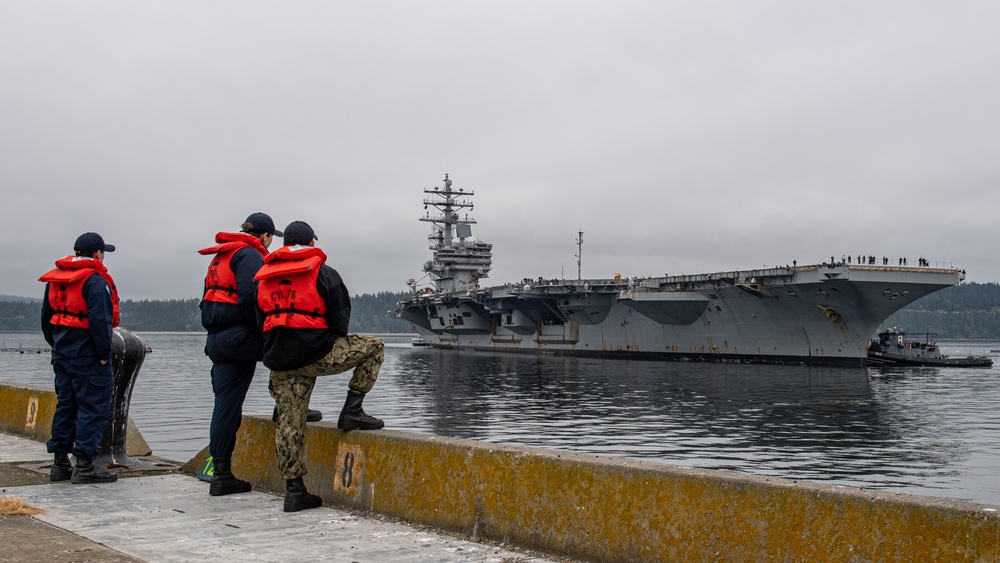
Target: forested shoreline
(368,314)
(966,311)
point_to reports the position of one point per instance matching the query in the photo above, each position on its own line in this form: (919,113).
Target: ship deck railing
(541,286)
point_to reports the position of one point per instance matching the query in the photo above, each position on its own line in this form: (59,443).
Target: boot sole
(91,480)
(224,492)
(308,506)
(227,492)
(360,427)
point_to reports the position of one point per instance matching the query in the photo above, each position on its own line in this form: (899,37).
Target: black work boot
(223,480)
(62,469)
(86,472)
(353,417)
(311,416)
(298,498)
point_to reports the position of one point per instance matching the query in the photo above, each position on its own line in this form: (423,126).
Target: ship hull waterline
(811,315)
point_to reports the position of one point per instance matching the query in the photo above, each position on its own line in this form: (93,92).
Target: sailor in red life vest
(306,310)
(79,314)
(234,343)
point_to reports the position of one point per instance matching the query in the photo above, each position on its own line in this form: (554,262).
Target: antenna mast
(579,254)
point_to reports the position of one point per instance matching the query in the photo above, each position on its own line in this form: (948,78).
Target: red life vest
(220,282)
(286,290)
(66,291)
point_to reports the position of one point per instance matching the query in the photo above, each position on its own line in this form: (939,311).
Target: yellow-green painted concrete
(605,509)
(27,411)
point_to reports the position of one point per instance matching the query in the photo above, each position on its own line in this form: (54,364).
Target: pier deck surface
(171,517)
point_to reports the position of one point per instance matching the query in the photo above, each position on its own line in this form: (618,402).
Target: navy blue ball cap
(299,232)
(89,243)
(262,224)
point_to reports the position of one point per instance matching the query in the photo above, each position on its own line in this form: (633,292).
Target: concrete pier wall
(603,509)
(27,411)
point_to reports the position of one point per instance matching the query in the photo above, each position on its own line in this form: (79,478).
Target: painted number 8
(347,477)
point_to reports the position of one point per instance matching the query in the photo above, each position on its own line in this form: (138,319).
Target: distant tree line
(173,315)
(20,315)
(372,314)
(969,310)
(368,314)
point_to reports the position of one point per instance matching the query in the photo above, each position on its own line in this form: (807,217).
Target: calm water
(930,431)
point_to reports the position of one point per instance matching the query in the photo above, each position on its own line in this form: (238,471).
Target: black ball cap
(299,232)
(89,243)
(262,223)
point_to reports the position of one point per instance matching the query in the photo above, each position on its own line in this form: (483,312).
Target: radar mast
(459,260)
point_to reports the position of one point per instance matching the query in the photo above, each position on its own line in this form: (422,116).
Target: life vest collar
(78,262)
(298,252)
(233,241)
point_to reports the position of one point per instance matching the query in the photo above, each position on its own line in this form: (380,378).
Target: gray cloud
(680,137)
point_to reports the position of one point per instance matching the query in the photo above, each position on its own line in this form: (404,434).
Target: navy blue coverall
(235,345)
(83,386)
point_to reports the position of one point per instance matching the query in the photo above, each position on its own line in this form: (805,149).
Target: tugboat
(894,348)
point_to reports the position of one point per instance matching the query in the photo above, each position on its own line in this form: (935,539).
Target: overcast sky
(681,137)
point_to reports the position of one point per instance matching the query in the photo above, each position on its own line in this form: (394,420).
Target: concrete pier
(169,516)
(603,509)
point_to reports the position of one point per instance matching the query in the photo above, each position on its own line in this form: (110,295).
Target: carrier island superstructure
(822,314)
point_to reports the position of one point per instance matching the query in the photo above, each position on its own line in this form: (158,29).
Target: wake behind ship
(823,314)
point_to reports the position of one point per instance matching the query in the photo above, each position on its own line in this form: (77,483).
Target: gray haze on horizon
(682,138)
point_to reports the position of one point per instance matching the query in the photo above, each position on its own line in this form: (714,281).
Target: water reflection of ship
(816,423)
(823,314)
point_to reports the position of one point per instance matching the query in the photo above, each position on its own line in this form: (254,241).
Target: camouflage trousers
(292,390)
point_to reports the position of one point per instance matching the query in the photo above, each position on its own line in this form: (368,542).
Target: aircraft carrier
(822,314)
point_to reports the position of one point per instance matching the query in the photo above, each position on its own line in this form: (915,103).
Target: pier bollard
(127,354)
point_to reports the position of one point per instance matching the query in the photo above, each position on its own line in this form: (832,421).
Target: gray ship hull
(811,315)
